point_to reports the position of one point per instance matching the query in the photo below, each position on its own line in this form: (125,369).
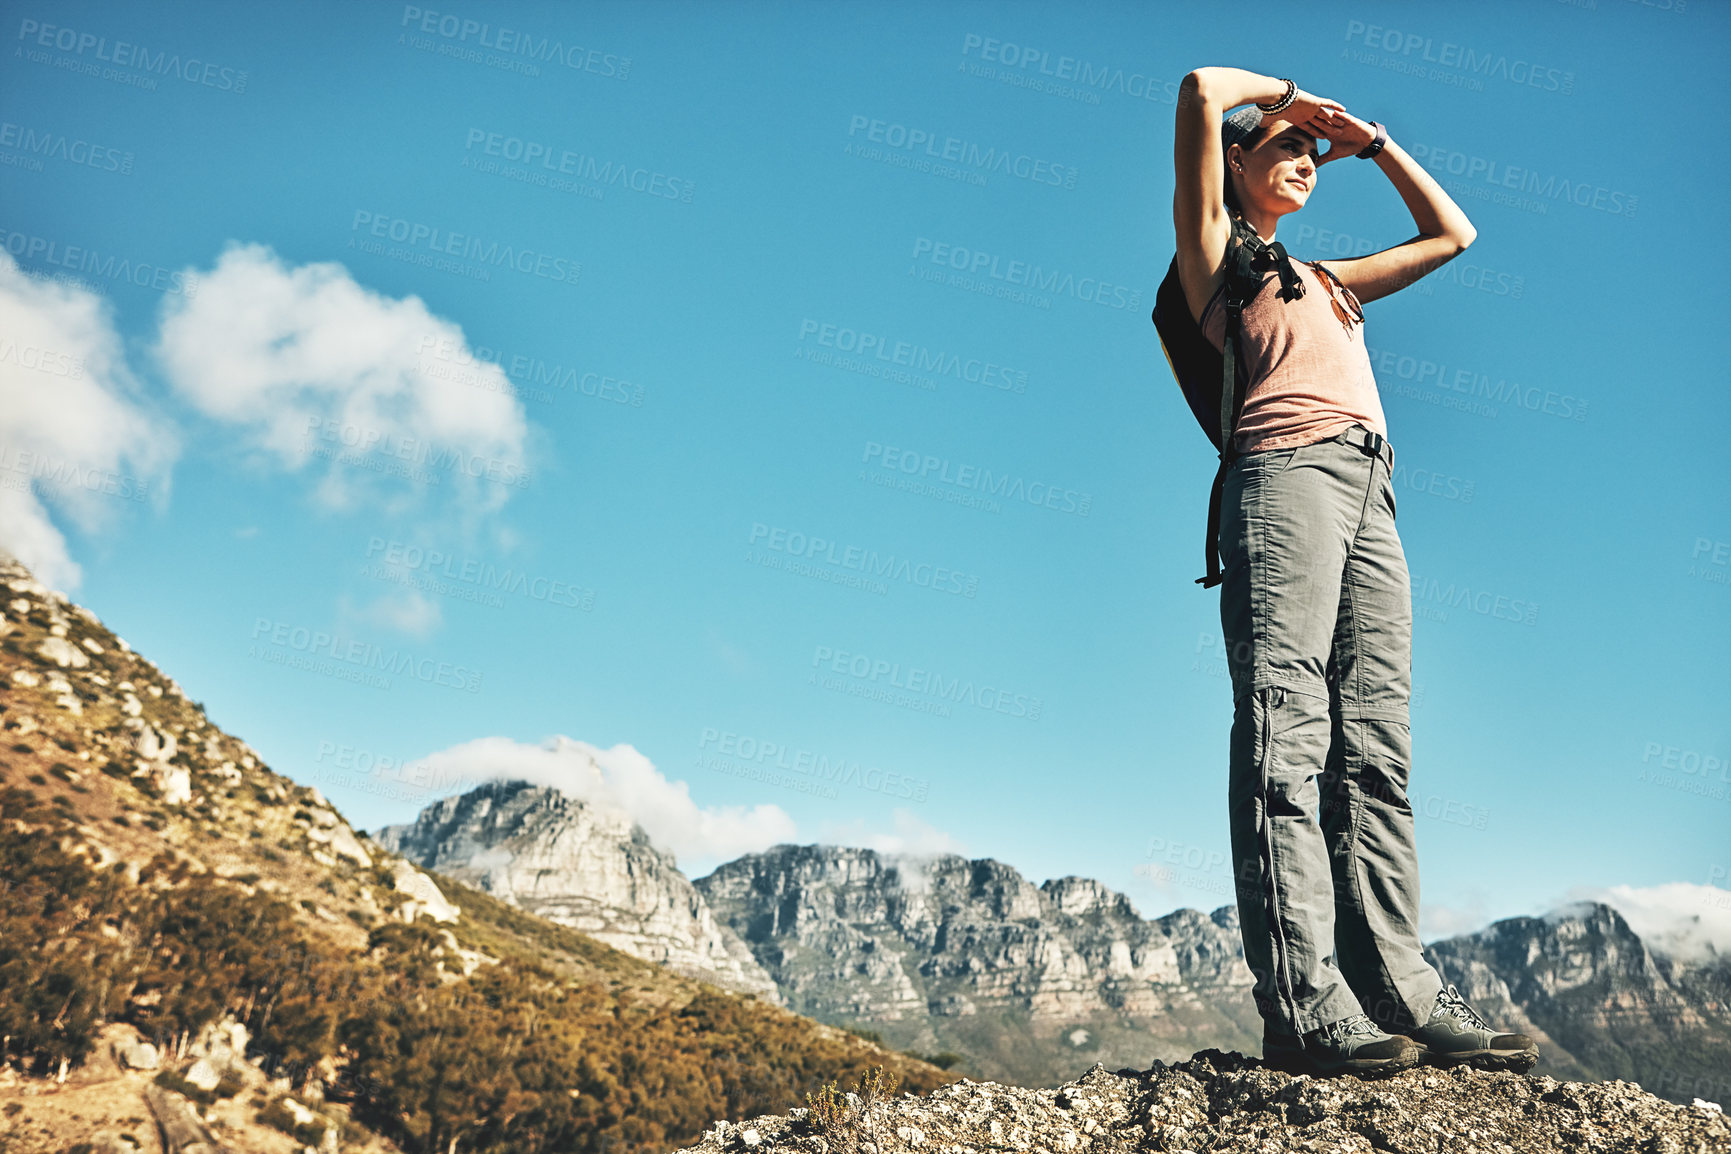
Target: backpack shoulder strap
(1248,259)
(1243,282)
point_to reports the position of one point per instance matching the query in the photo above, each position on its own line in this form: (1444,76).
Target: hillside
(173,911)
(580,865)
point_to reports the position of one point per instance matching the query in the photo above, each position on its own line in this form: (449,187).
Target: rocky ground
(1226,1102)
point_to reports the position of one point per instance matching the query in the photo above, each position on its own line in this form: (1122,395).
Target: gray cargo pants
(1316,613)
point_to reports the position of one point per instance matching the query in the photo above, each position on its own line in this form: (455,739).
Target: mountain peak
(579,864)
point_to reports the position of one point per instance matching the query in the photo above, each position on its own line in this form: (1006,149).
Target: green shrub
(169,1080)
(842,1124)
(277,1115)
(536,1054)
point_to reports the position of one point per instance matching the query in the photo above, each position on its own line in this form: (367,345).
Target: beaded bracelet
(1282,104)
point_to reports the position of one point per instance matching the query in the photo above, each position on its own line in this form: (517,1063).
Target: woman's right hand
(1311,113)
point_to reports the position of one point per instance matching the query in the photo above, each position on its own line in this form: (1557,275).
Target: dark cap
(1237,127)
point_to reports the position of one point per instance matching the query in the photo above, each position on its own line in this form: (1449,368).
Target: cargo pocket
(1269,700)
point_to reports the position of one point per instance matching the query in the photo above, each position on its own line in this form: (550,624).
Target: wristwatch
(1374,146)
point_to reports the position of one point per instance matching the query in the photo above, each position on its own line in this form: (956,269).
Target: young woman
(1315,605)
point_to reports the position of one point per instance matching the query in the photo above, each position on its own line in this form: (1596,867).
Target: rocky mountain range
(198,953)
(582,866)
(1027,984)
(1601,1002)
(944,953)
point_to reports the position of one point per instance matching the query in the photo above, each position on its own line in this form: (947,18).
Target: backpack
(1214,382)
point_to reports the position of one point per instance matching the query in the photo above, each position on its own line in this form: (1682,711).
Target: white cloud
(1688,922)
(912,836)
(1436,922)
(317,372)
(699,837)
(75,433)
(622,779)
(404,610)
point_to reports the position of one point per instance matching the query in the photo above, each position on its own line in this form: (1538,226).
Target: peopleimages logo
(916,357)
(1431,598)
(1311,242)
(1495,176)
(514,42)
(528,372)
(312,649)
(1070,69)
(80,259)
(58,146)
(123,54)
(1475,387)
(20,469)
(1691,761)
(438,241)
(1487,65)
(394,446)
(871,674)
(743,755)
(993,266)
(868,564)
(483,575)
(928,468)
(1005,161)
(360,769)
(41,360)
(556,161)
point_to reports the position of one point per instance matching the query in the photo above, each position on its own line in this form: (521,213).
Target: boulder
(424,896)
(63,653)
(342,841)
(174,783)
(203,1074)
(155,744)
(224,1043)
(140,1056)
(345,844)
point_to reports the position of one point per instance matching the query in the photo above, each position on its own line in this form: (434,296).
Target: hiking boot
(1455,1033)
(1350,1046)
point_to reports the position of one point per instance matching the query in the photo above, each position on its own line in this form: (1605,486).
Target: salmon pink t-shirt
(1310,376)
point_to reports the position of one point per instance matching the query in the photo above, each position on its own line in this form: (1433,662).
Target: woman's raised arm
(1198,198)
(1443,229)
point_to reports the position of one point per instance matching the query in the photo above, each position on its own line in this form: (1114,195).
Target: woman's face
(1279,174)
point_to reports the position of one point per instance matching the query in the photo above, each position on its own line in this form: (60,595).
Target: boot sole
(1518,1061)
(1315,1069)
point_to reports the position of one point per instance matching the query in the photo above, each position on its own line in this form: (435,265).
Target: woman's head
(1271,164)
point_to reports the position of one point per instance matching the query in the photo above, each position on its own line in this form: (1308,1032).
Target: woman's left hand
(1347,135)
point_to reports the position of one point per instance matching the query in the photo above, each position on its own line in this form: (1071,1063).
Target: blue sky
(577,364)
